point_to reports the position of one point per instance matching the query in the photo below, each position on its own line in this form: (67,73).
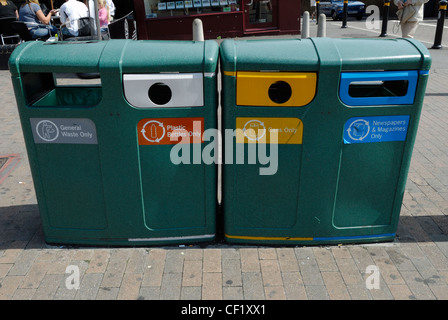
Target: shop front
(160,19)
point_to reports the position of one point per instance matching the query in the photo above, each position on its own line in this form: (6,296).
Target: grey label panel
(64,130)
(184,90)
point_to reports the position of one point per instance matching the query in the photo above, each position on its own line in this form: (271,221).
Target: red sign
(170,131)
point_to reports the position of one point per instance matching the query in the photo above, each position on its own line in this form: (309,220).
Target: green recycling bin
(320,137)
(115,161)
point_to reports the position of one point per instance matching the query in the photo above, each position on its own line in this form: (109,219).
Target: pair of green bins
(323,132)
(102,156)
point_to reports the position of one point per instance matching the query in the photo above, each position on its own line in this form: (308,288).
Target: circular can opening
(280,92)
(159,93)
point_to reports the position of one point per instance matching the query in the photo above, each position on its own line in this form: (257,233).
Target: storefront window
(163,8)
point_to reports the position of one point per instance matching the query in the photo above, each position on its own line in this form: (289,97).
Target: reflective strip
(268,238)
(312,239)
(205,236)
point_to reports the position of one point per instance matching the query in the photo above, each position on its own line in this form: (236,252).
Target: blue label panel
(376,129)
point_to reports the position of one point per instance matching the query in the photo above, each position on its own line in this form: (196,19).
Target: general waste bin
(322,135)
(105,158)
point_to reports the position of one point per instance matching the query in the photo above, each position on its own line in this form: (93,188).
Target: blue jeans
(66,33)
(40,32)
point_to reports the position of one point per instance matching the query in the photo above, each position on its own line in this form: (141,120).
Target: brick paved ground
(414,266)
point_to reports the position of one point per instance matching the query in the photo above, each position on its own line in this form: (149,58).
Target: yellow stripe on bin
(253,88)
(268,238)
(230,73)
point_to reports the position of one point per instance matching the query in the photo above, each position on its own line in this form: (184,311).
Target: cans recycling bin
(107,160)
(323,131)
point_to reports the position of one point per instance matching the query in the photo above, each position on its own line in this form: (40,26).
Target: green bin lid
(38,56)
(382,54)
(275,55)
(129,56)
(324,55)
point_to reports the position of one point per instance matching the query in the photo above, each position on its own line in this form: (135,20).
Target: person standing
(411,14)
(103,13)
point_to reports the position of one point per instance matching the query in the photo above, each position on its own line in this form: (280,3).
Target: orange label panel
(157,131)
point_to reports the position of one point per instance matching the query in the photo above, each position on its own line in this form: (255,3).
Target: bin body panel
(122,188)
(73,185)
(345,181)
(253,191)
(374,193)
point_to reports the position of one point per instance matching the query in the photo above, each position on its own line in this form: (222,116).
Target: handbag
(406,13)
(84,27)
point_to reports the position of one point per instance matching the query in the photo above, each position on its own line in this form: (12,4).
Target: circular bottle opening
(280,92)
(159,93)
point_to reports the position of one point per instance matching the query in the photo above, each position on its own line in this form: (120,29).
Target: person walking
(410,13)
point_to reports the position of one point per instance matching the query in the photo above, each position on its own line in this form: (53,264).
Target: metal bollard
(306,25)
(344,19)
(386,7)
(317,11)
(198,31)
(321,28)
(440,22)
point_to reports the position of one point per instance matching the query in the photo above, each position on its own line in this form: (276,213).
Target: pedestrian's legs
(408,29)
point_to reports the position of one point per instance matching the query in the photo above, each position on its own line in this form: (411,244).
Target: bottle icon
(153,131)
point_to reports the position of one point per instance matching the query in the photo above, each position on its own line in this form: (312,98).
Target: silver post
(97,20)
(321,28)
(95,30)
(198,31)
(306,25)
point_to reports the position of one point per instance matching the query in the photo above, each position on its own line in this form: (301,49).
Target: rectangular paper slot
(378,88)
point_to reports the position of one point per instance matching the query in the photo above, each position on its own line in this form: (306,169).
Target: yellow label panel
(269,130)
(288,89)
